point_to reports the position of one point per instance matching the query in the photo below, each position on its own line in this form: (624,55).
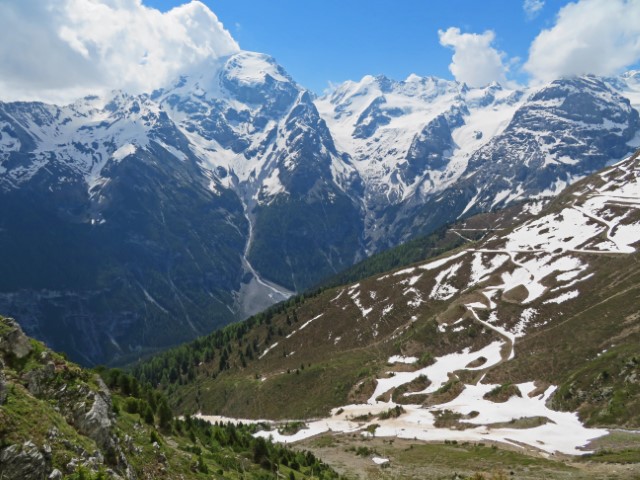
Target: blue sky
(61,50)
(334,40)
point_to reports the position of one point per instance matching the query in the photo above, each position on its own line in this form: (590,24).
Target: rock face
(13,341)
(22,462)
(566,130)
(97,423)
(141,221)
(444,151)
(65,393)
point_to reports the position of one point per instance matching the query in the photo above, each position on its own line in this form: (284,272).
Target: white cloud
(590,36)
(58,50)
(474,61)
(532,7)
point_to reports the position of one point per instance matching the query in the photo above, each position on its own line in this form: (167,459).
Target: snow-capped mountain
(507,339)
(424,143)
(110,229)
(260,135)
(401,137)
(527,337)
(131,214)
(229,189)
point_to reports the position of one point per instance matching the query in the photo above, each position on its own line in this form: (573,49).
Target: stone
(47,452)
(22,462)
(55,474)
(14,342)
(53,433)
(39,379)
(97,422)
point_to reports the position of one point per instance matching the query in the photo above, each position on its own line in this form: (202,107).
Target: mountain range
(527,336)
(130,223)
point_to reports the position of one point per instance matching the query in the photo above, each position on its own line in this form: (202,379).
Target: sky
(59,50)
(323,41)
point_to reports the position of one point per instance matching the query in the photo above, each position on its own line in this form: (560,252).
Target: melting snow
(541,251)
(269,349)
(402,359)
(564,297)
(438,263)
(124,151)
(304,325)
(443,290)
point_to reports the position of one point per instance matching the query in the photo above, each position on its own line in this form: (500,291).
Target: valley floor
(352,456)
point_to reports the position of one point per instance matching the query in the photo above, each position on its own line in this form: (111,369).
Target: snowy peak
(251,68)
(253,127)
(586,99)
(80,138)
(563,132)
(413,138)
(426,142)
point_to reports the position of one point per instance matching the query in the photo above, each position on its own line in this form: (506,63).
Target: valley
(230,248)
(238,188)
(477,346)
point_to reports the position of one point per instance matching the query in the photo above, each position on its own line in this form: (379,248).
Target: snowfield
(552,249)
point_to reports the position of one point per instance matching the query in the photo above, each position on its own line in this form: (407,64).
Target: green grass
(23,417)
(301,393)
(477,457)
(441,461)
(615,456)
(606,390)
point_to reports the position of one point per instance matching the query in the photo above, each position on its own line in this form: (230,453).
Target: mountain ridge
(246,167)
(501,326)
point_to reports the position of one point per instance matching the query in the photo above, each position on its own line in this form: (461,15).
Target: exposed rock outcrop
(14,341)
(97,422)
(23,462)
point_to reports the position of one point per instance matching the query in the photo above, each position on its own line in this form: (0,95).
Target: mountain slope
(436,150)
(488,333)
(58,420)
(135,221)
(119,256)
(131,223)
(259,132)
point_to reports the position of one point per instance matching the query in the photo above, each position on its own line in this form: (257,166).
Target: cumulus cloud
(474,61)
(532,7)
(58,50)
(590,36)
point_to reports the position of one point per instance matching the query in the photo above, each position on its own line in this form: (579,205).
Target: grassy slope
(569,350)
(182,449)
(435,461)
(334,359)
(564,347)
(321,373)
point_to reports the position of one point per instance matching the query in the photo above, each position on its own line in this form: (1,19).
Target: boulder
(22,462)
(55,475)
(97,422)
(13,341)
(39,379)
